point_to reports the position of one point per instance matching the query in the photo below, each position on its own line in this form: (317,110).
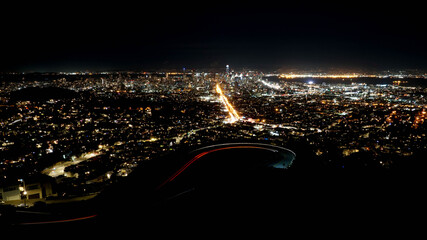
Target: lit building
(15,193)
(10,193)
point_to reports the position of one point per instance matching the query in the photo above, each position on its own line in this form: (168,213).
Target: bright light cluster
(234,116)
(290,76)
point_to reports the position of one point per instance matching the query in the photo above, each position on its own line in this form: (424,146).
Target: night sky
(75,36)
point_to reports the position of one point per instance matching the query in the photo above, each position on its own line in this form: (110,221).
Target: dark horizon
(263,35)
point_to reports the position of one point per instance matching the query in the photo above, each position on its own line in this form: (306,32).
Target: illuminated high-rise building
(227,72)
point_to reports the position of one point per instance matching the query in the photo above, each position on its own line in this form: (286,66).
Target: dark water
(410,82)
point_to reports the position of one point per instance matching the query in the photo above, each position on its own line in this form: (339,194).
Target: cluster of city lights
(291,76)
(420,118)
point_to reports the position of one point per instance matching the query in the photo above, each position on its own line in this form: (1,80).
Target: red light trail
(198,156)
(60,221)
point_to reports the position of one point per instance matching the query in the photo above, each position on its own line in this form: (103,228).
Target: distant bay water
(410,82)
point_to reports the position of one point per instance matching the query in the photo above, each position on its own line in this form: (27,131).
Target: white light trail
(271,85)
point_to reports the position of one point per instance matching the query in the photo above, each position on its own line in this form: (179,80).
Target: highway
(221,147)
